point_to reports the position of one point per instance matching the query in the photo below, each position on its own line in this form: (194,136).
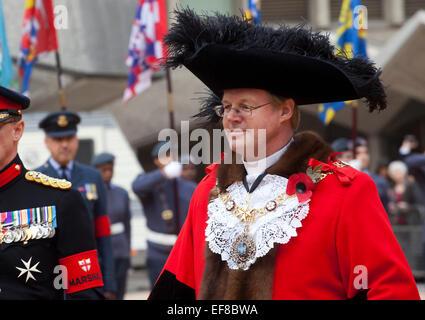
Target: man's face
(237,124)
(62,149)
(362,154)
(345,156)
(10,134)
(107,172)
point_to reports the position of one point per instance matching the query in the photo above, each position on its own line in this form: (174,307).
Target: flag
(351,41)
(38,36)
(145,49)
(254,11)
(6,65)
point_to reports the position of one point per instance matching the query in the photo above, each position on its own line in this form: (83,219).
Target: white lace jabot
(276,226)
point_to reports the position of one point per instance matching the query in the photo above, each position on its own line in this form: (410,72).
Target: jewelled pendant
(243,250)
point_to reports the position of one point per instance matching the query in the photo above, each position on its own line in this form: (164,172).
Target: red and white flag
(38,36)
(145,49)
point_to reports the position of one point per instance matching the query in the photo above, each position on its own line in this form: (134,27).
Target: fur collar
(219,282)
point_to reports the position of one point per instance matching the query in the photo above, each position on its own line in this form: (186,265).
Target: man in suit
(62,142)
(43,224)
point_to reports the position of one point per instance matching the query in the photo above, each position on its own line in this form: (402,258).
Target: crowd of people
(400,183)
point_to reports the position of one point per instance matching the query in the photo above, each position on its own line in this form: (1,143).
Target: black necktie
(64,175)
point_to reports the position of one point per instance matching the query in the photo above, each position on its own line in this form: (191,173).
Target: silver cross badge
(28,269)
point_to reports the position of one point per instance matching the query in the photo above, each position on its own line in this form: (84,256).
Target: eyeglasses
(224,110)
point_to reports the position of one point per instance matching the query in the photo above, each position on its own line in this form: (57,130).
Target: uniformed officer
(120,217)
(156,192)
(62,142)
(47,244)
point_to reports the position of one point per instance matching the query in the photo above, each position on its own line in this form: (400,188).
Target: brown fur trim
(219,282)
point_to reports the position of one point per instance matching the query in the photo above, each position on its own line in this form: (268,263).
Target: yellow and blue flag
(351,42)
(254,11)
(6,65)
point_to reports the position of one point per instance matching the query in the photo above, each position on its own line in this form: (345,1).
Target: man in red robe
(296,223)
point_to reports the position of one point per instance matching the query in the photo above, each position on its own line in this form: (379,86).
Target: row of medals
(35,231)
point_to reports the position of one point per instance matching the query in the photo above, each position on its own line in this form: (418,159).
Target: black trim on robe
(167,287)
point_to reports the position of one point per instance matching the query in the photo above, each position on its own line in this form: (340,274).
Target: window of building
(412,6)
(279,11)
(85,151)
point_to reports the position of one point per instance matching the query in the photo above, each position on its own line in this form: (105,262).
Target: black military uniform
(47,245)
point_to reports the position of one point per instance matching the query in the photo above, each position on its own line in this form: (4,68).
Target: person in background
(361,163)
(119,214)
(382,170)
(156,193)
(405,204)
(341,145)
(415,160)
(189,171)
(62,142)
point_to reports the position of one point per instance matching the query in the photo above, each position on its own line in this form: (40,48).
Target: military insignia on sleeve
(48,181)
(85,264)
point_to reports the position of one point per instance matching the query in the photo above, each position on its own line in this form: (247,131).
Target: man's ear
(287,109)
(18,130)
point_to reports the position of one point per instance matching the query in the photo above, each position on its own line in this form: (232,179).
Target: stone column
(239,5)
(171,5)
(394,12)
(319,12)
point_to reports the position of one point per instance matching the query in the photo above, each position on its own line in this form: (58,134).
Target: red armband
(102,227)
(83,271)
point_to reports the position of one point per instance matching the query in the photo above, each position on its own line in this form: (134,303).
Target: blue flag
(6,65)
(254,11)
(351,41)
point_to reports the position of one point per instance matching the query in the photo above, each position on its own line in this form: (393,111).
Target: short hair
(397,165)
(296,116)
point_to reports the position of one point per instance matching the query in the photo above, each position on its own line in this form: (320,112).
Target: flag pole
(354,126)
(62,94)
(171,117)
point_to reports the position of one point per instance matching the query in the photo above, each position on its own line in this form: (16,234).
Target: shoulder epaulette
(48,181)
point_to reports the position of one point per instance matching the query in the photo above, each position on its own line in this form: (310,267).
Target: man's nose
(233,115)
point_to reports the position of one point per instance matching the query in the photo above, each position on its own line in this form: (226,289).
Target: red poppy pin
(302,185)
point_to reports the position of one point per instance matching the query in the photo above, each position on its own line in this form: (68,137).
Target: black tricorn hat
(227,52)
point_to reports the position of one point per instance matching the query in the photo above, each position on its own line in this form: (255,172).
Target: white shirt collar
(255,168)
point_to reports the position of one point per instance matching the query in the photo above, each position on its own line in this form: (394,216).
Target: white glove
(404,150)
(356,164)
(173,170)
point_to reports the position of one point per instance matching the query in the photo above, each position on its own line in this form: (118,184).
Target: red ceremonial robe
(344,249)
